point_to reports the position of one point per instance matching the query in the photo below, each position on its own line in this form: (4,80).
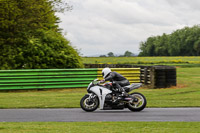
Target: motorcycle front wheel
(139,102)
(89,104)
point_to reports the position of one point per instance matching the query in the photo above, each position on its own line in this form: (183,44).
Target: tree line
(30,36)
(126,54)
(182,42)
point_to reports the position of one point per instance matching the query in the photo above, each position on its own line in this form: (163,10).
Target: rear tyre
(138,104)
(88,104)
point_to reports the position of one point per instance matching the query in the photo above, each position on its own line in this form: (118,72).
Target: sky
(97,27)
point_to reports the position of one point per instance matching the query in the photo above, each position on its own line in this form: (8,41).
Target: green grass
(176,61)
(99,127)
(57,98)
(185,94)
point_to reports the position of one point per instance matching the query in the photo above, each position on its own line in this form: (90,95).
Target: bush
(30,37)
(48,49)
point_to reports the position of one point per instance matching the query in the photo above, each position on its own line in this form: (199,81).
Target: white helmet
(105,72)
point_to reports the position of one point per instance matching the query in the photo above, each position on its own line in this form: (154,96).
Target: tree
(128,54)
(30,36)
(102,56)
(182,42)
(110,54)
(197,47)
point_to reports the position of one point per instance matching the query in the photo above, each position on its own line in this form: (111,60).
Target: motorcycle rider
(118,80)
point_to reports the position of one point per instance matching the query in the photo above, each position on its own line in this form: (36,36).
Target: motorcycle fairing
(101,92)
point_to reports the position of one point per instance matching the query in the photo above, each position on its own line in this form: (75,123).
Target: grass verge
(104,127)
(186,94)
(160,60)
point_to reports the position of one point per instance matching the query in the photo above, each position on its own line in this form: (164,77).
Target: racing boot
(124,93)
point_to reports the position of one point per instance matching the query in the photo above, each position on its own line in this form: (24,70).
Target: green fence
(46,78)
(56,78)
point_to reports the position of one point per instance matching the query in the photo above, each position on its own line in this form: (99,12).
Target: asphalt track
(77,114)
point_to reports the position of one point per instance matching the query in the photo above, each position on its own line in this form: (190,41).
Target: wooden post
(152,78)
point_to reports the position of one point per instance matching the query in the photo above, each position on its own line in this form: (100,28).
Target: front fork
(91,96)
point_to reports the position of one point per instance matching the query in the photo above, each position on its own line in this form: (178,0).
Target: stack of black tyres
(171,76)
(165,76)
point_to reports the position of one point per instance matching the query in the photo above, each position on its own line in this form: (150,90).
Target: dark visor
(102,73)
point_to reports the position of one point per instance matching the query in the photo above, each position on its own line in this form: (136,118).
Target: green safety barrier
(57,78)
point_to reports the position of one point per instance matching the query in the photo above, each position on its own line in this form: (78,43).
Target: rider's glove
(102,81)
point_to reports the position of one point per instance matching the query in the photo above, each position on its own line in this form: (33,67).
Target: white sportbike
(106,97)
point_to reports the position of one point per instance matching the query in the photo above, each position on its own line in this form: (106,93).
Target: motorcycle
(107,97)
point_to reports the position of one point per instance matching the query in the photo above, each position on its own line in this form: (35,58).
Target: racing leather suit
(118,80)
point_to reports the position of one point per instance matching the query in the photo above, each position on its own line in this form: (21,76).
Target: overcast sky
(97,27)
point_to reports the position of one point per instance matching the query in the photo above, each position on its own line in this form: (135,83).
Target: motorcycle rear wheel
(138,104)
(89,105)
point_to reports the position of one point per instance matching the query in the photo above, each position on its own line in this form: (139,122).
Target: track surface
(77,114)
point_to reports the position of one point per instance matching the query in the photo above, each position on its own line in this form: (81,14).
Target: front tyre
(89,104)
(139,102)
